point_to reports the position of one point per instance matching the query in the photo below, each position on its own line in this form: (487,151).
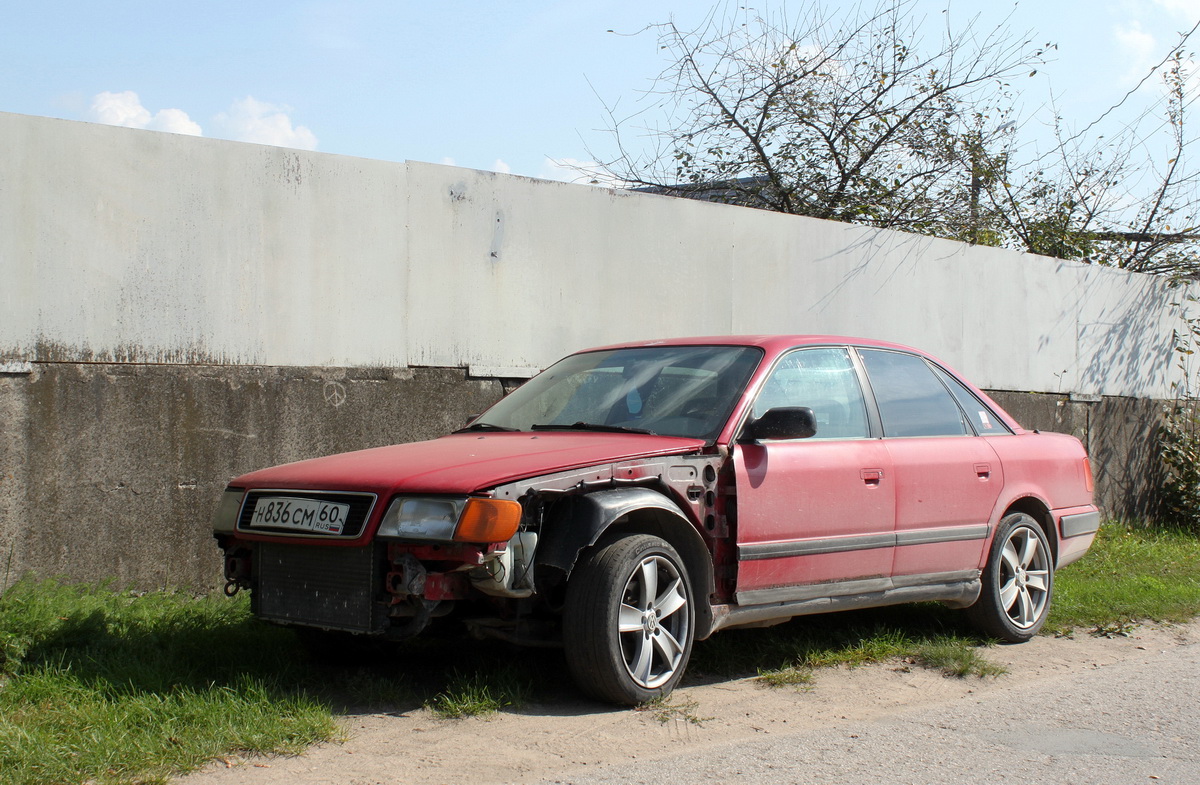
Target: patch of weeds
(1115,629)
(367,689)
(478,694)
(956,657)
(789,676)
(673,707)
(884,644)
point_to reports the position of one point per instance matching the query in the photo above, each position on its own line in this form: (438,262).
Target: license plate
(289,512)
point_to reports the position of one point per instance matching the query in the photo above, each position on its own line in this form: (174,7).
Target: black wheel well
(589,521)
(1036,509)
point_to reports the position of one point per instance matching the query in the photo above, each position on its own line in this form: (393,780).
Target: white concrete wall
(151,247)
(147,247)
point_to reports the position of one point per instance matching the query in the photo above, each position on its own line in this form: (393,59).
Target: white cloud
(1137,48)
(175,121)
(251,120)
(448,161)
(125,109)
(247,120)
(1141,52)
(501,167)
(572,170)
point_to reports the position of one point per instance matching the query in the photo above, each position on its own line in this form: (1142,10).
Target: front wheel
(629,621)
(1017,582)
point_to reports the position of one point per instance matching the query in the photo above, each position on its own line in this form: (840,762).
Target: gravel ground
(1125,722)
(1070,710)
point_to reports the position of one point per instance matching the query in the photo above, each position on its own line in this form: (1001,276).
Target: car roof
(769,343)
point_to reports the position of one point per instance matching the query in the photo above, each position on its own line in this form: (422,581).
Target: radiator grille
(335,588)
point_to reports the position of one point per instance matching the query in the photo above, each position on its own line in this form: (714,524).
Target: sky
(518,86)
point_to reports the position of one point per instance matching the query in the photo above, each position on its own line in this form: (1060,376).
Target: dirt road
(1080,710)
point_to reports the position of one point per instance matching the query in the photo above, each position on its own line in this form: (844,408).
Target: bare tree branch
(852,115)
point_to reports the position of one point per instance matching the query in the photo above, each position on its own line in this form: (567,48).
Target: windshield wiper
(485,426)
(589,426)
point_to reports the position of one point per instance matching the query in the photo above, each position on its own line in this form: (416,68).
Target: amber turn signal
(488,520)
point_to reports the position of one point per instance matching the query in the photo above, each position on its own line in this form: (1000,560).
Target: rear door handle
(983,470)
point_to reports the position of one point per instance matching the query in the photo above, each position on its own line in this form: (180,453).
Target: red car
(632,499)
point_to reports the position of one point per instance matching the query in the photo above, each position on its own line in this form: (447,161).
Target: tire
(629,621)
(1018,582)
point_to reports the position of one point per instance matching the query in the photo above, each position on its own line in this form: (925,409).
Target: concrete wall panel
(148,247)
(138,246)
(118,467)
(495,259)
(14,474)
(507,272)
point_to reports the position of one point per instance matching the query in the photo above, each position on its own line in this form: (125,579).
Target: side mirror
(783,422)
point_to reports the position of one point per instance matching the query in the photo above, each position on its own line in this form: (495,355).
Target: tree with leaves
(850,115)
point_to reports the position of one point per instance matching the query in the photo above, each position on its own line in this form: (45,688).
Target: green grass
(786,655)
(796,676)
(102,686)
(953,655)
(1129,575)
(109,687)
(480,693)
(955,659)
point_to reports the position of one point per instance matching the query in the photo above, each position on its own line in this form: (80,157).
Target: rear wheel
(629,621)
(1017,582)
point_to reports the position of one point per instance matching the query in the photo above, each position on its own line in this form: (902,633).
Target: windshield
(665,390)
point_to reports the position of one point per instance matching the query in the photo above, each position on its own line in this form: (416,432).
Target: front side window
(912,401)
(667,390)
(825,381)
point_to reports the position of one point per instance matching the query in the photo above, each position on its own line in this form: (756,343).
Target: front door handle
(872,476)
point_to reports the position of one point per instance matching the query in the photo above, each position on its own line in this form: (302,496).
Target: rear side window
(983,419)
(912,401)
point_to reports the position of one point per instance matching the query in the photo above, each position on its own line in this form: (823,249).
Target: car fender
(581,521)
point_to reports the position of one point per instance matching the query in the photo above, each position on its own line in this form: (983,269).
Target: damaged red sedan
(633,499)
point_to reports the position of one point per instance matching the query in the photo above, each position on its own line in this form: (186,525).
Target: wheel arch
(598,518)
(1038,510)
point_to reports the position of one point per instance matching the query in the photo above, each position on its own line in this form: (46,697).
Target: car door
(819,511)
(947,479)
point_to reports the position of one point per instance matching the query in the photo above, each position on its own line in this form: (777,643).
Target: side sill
(955,593)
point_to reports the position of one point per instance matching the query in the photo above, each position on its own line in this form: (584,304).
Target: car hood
(463,463)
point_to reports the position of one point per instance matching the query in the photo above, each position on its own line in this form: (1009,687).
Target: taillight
(1087,476)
